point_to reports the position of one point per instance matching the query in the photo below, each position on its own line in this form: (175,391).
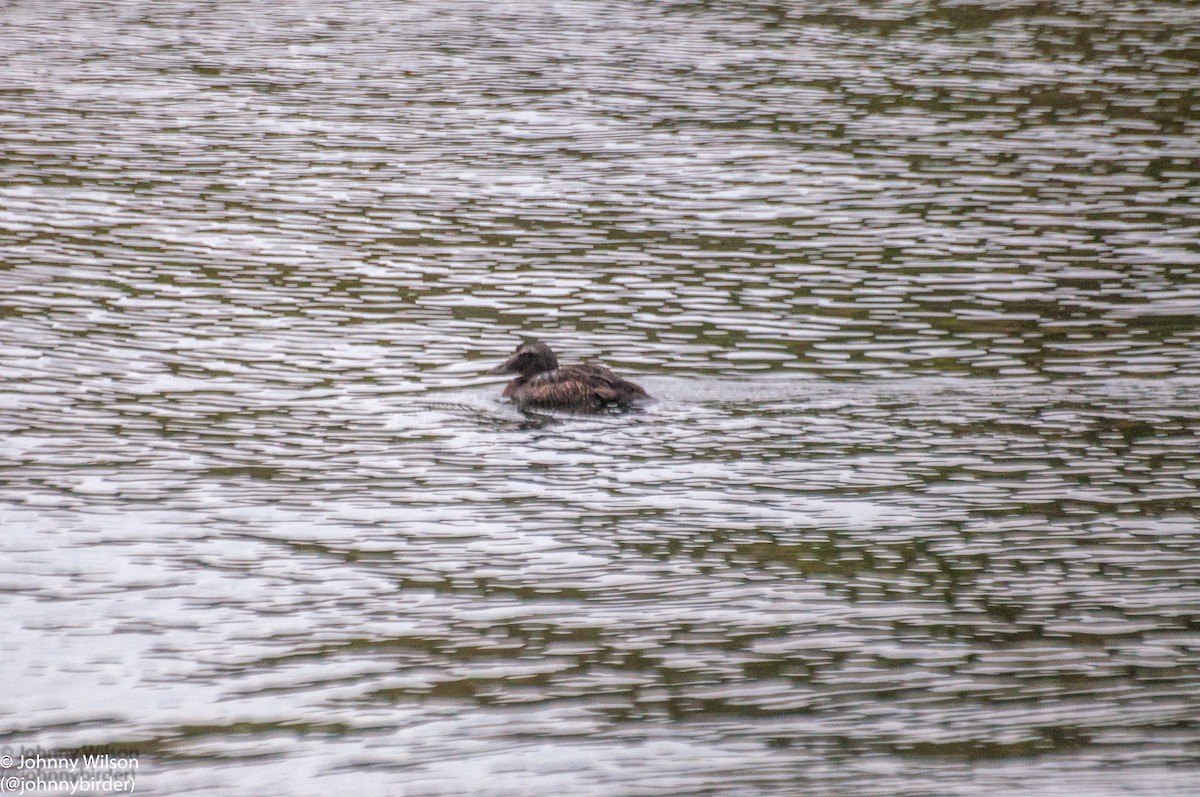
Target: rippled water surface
(915,285)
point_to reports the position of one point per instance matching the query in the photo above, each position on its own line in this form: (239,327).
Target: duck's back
(583,386)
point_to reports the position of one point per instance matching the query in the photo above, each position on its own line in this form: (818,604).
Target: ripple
(915,290)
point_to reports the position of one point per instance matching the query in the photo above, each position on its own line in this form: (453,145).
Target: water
(916,286)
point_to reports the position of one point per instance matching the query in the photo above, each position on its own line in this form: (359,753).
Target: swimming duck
(581,388)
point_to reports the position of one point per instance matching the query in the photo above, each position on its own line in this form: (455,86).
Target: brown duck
(542,383)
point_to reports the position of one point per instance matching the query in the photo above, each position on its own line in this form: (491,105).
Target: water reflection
(915,287)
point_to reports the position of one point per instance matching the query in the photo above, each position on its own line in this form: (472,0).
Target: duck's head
(532,357)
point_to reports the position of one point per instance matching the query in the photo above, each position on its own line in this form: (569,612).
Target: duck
(543,384)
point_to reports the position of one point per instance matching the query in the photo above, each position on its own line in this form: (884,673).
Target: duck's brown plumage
(582,388)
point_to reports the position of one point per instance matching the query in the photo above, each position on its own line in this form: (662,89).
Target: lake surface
(916,287)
